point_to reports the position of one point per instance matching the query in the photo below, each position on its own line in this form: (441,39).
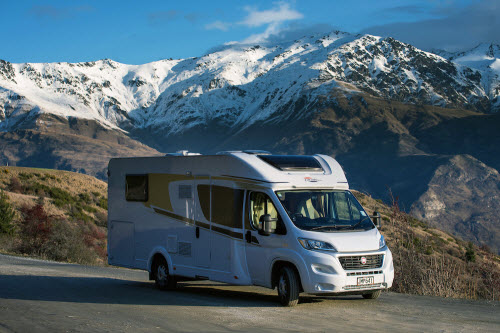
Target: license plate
(365,280)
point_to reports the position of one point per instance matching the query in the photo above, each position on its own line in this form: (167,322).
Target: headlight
(311,244)
(381,242)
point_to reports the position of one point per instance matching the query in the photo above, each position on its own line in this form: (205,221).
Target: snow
(236,85)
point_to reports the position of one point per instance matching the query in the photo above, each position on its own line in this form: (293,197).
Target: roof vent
(257,152)
(293,162)
(228,152)
(182,153)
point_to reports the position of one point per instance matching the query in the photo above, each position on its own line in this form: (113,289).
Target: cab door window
(259,205)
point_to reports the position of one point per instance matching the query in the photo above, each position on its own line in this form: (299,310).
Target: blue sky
(138,32)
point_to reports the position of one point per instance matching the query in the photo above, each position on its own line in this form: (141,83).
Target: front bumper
(326,274)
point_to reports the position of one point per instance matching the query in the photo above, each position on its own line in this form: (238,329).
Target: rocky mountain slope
(396,117)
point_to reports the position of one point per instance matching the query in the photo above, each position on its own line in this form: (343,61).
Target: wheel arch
(278,264)
(159,251)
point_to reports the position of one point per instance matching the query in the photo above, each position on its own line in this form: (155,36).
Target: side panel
(121,243)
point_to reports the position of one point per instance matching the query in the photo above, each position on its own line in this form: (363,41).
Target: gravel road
(43,296)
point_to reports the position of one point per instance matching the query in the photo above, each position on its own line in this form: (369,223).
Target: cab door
(260,249)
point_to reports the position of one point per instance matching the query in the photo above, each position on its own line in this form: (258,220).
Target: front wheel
(372,295)
(288,287)
(163,280)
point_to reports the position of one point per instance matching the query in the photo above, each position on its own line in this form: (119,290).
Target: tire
(373,295)
(288,287)
(163,280)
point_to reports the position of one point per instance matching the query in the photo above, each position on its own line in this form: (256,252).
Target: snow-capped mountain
(485,58)
(238,85)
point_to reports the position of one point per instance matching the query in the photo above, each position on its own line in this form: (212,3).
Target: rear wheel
(288,287)
(372,295)
(163,280)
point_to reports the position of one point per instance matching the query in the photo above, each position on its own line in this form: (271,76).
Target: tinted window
(227,205)
(204,197)
(136,187)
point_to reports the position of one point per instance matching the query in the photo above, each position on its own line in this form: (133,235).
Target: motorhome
(245,218)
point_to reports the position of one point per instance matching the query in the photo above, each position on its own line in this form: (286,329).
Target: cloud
(273,19)
(53,12)
(277,15)
(455,30)
(218,25)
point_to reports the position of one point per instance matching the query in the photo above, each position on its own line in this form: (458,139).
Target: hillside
(72,144)
(427,260)
(60,215)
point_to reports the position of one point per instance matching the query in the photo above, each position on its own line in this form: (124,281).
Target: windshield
(325,210)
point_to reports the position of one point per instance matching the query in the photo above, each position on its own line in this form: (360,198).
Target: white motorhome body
(245,218)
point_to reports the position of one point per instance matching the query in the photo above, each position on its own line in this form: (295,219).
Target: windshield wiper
(335,226)
(358,223)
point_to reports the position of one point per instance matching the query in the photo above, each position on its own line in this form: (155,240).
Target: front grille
(354,262)
(364,273)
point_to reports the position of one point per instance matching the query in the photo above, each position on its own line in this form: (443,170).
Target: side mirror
(377,219)
(268,225)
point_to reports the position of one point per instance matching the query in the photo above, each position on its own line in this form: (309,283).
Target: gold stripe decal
(230,233)
(174,216)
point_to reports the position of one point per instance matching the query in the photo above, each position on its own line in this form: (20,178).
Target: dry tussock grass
(428,261)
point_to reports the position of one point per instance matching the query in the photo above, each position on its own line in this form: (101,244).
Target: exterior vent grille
(185,249)
(364,273)
(356,262)
(367,286)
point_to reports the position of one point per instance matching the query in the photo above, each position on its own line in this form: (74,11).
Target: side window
(342,206)
(204,197)
(227,206)
(136,187)
(356,215)
(259,204)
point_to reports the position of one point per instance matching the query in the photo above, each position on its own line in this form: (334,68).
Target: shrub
(66,243)
(101,219)
(85,197)
(103,203)
(35,229)
(15,185)
(25,176)
(57,239)
(470,254)
(89,209)
(6,215)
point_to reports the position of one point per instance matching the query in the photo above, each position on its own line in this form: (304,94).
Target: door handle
(248,236)
(197,232)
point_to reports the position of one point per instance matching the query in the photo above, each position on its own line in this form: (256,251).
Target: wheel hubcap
(161,273)
(282,287)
